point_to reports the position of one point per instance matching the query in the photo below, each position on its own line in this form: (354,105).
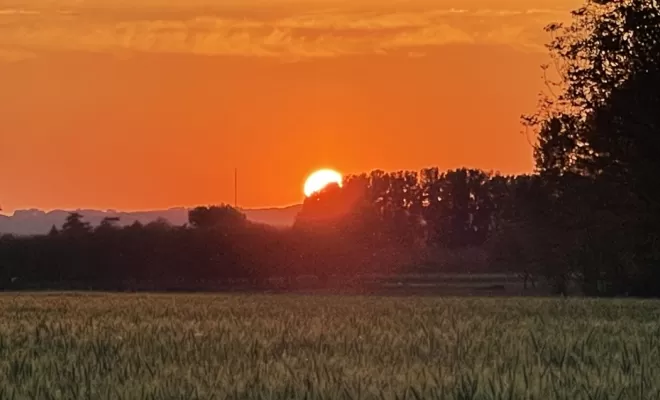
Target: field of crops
(130,346)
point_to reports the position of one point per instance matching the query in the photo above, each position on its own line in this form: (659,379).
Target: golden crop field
(179,346)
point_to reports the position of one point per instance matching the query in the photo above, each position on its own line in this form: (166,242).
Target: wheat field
(179,346)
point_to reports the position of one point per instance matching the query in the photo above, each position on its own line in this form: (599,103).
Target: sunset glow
(149,104)
(320,179)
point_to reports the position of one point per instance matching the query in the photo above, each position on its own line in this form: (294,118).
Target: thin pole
(235,187)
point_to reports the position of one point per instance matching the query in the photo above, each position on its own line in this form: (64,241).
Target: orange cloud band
(272,29)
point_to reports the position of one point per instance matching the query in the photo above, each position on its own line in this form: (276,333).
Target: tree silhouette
(108,223)
(598,140)
(603,121)
(75,226)
(53,231)
(216,217)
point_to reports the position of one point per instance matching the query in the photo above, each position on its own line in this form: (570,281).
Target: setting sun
(320,179)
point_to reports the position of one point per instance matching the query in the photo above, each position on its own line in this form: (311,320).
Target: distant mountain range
(34,222)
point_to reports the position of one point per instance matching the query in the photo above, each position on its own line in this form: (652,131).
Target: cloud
(17,11)
(13,55)
(280,32)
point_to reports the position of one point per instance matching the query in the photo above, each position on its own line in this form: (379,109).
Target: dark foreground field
(98,346)
(421,284)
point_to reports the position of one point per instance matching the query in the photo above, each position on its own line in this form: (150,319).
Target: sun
(320,179)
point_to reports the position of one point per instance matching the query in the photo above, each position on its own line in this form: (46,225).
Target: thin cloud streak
(295,35)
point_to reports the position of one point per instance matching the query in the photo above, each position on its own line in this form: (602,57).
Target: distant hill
(34,222)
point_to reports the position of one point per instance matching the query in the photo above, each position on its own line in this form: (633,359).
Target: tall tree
(598,134)
(601,118)
(74,225)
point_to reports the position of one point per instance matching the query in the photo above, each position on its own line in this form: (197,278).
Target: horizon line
(252,208)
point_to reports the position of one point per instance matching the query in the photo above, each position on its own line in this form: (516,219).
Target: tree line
(589,213)
(380,222)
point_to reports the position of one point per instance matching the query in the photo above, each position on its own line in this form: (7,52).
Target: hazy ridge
(33,221)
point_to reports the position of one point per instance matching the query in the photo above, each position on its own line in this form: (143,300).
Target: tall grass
(101,346)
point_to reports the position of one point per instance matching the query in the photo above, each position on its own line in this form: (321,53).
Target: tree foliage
(598,131)
(216,217)
(380,222)
(601,118)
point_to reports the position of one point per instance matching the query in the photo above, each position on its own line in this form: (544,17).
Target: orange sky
(148,104)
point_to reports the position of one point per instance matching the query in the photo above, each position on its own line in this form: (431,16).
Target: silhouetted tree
(74,225)
(603,121)
(53,231)
(598,140)
(108,223)
(223,216)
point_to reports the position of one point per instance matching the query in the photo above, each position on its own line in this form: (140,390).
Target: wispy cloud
(292,31)
(9,54)
(17,11)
